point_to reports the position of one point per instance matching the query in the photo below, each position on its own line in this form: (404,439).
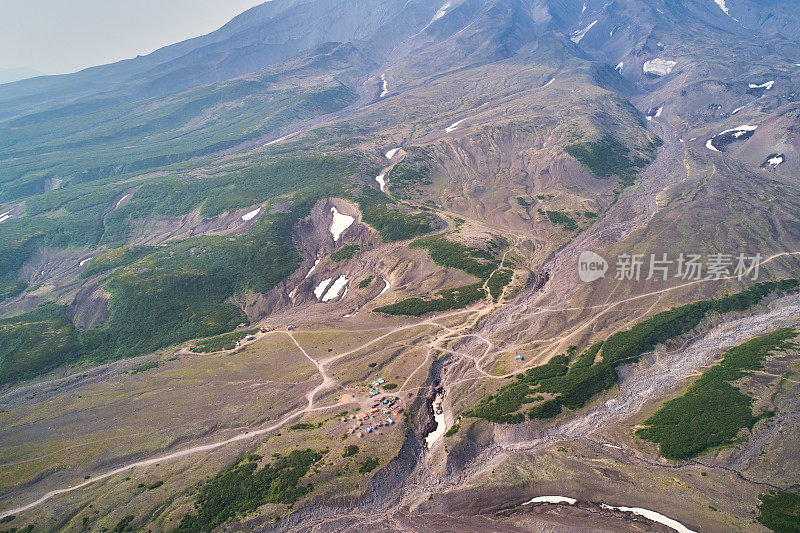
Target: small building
(518,357)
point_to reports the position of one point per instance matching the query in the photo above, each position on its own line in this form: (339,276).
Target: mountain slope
(399,193)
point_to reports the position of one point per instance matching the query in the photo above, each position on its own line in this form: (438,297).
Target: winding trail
(472,317)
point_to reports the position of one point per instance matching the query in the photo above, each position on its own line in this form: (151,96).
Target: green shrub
(303,426)
(608,156)
(780,511)
(712,411)
(452,431)
(225,341)
(124,525)
(559,217)
(393,224)
(448,299)
(499,281)
(449,254)
(368,465)
(144,367)
(350,450)
(241,489)
(345,253)
(572,386)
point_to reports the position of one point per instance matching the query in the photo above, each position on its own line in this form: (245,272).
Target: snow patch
(439,14)
(552,499)
(650,115)
(84,261)
(733,133)
(658,66)
(320,289)
(391,153)
(738,109)
(282,138)
(384,87)
(773,161)
(724,8)
(122,200)
(580,34)
(607,445)
(766,85)
(454,126)
(313,268)
(5,216)
(442,10)
(652,515)
(335,289)
(549,82)
(340,223)
(251,215)
(381,179)
(738,131)
(386,287)
(619,66)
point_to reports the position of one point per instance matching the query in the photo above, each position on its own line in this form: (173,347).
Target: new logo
(591,266)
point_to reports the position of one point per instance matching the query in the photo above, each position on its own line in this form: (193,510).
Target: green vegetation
(176,292)
(502,407)
(386,217)
(115,258)
(452,431)
(366,282)
(780,511)
(523,202)
(124,525)
(37,342)
(389,386)
(448,299)
(35,144)
(412,173)
(573,385)
(226,341)
(242,489)
(608,156)
(559,217)
(144,367)
(350,450)
(712,411)
(345,253)
(449,254)
(498,281)
(303,426)
(368,465)
(154,485)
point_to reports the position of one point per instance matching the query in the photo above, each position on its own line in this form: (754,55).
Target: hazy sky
(58,36)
